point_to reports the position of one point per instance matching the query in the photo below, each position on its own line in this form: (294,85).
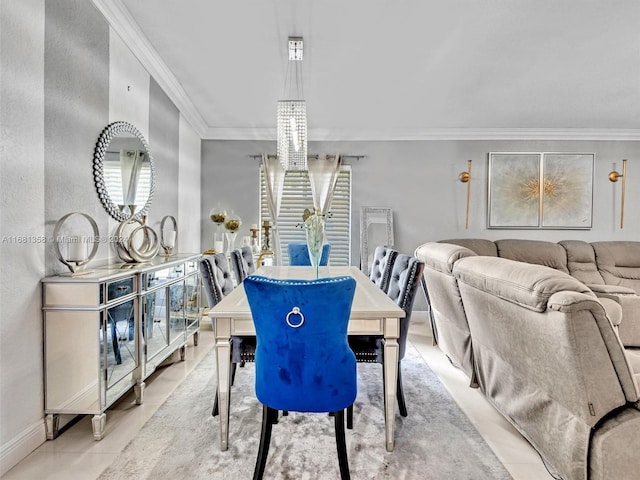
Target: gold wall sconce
(465,177)
(614,176)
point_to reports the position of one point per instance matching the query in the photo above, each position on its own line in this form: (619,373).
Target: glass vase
(314,227)
(231,241)
(232,225)
(218,215)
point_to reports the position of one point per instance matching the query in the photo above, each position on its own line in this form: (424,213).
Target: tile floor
(74,455)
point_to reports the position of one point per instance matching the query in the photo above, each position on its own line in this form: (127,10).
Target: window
(296,197)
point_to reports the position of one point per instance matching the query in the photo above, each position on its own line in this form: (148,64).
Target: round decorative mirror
(123,171)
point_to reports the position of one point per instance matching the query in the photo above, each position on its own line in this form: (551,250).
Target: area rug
(435,441)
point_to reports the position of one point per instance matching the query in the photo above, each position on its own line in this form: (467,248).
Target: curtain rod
(357,157)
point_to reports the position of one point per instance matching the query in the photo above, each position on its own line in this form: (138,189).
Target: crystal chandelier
(292,115)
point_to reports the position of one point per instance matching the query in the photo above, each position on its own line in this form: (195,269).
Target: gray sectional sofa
(550,333)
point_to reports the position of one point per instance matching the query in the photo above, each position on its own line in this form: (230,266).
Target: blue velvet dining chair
(303,360)
(299,254)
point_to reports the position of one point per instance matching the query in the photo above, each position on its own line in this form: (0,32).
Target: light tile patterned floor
(74,455)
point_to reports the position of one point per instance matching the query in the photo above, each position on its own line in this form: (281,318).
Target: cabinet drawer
(120,288)
(191,266)
(162,276)
(71,294)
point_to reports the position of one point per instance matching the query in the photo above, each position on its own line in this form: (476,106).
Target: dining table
(372,313)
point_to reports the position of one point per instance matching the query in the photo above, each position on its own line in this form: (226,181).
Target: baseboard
(19,447)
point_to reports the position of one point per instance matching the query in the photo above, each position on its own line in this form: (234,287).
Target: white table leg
(391,353)
(222,330)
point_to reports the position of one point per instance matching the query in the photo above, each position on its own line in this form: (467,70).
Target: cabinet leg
(99,422)
(138,390)
(52,425)
(183,352)
(196,337)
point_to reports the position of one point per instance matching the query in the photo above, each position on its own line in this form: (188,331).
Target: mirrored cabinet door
(155,316)
(192,310)
(176,312)
(118,355)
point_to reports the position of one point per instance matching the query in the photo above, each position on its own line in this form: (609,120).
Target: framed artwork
(540,190)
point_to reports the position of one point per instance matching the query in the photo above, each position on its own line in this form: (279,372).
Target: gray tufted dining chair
(403,284)
(243,263)
(383,258)
(217,282)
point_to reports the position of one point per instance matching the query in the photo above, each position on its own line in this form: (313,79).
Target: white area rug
(182,439)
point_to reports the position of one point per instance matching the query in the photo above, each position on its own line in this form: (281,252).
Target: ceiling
(404,69)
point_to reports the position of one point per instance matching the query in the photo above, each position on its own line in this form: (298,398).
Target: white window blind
(113,180)
(296,197)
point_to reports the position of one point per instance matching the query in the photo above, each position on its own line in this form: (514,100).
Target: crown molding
(129,31)
(433,134)
(121,21)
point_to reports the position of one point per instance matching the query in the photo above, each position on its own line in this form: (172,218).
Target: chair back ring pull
(295,311)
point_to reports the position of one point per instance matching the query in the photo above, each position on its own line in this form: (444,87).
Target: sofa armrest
(613,311)
(441,256)
(629,328)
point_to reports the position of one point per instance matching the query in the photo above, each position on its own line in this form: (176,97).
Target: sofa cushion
(537,252)
(523,284)
(619,263)
(581,262)
(479,246)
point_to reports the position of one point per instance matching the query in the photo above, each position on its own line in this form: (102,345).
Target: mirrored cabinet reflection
(107,331)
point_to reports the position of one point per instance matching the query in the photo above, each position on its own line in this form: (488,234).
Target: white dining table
(372,313)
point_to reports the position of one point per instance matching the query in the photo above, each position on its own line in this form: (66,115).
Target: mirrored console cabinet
(106,331)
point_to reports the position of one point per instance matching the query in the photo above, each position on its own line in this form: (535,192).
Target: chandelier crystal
(292,134)
(292,114)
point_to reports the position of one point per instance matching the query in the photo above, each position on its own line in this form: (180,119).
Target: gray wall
(164,120)
(22,216)
(419,181)
(76,81)
(55,99)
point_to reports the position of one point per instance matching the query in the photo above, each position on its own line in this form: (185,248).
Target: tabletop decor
(218,215)
(232,225)
(76,255)
(314,224)
(168,241)
(265,252)
(254,243)
(131,250)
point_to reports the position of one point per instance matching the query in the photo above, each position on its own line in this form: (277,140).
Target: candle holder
(255,245)
(266,227)
(76,256)
(168,242)
(266,251)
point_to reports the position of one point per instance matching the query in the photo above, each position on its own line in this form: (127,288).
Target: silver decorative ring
(295,311)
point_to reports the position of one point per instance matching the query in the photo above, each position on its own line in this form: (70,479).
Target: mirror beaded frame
(109,132)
